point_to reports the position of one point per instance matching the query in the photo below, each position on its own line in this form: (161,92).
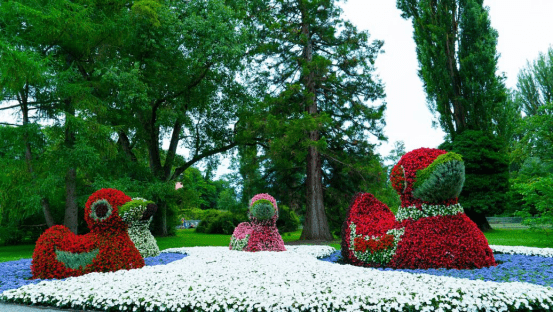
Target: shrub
(288,220)
(218,222)
(486,170)
(262,210)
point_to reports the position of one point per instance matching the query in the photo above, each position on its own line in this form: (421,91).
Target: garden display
(59,253)
(430,229)
(138,214)
(261,233)
(303,278)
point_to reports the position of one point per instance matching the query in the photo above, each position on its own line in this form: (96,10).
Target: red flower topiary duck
(430,229)
(59,253)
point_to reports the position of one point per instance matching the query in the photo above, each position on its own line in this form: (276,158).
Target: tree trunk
(47,214)
(480,220)
(29,155)
(159,224)
(316,226)
(71,212)
(164,220)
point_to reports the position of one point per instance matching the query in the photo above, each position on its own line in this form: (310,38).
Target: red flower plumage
(59,253)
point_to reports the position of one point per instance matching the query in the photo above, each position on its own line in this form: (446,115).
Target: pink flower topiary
(261,233)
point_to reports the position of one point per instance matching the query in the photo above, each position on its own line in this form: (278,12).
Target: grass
(189,238)
(520,237)
(10,253)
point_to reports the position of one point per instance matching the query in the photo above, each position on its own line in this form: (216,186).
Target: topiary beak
(441,180)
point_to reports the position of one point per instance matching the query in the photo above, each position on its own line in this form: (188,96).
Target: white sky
(525,28)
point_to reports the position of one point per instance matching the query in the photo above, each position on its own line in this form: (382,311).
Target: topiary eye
(100,210)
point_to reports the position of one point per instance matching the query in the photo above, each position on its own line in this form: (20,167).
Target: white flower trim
(413,212)
(378,256)
(219,279)
(144,241)
(522,250)
(239,244)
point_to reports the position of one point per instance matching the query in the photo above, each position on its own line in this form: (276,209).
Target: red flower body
(59,253)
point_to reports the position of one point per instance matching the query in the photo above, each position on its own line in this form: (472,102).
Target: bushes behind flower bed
(219,222)
(288,220)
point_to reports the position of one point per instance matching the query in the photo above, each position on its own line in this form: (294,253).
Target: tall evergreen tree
(456,50)
(318,68)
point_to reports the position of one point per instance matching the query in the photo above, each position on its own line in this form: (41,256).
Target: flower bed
(218,279)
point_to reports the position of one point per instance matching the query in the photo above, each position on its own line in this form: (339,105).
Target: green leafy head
(138,209)
(443,179)
(262,210)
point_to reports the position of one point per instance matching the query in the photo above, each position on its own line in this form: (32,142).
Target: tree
(177,80)
(531,147)
(59,46)
(456,51)
(318,69)
(486,169)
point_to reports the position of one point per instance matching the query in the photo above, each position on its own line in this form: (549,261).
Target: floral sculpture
(261,233)
(138,213)
(430,229)
(59,253)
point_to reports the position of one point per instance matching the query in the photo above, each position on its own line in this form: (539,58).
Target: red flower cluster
(397,178)
(265,238)
(412,162)
(108,238)
(116,199)
(371,217)
(385,242)
(452,242)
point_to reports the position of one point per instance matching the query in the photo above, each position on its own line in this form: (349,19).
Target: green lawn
(520,237)
(188,238)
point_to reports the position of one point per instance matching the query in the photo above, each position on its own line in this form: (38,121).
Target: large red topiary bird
(59,253)
(430,229)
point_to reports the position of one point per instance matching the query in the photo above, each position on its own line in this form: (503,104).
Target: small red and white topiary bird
(430,229)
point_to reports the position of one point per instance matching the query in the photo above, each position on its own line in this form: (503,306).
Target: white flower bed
(521,250)
(218,279)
